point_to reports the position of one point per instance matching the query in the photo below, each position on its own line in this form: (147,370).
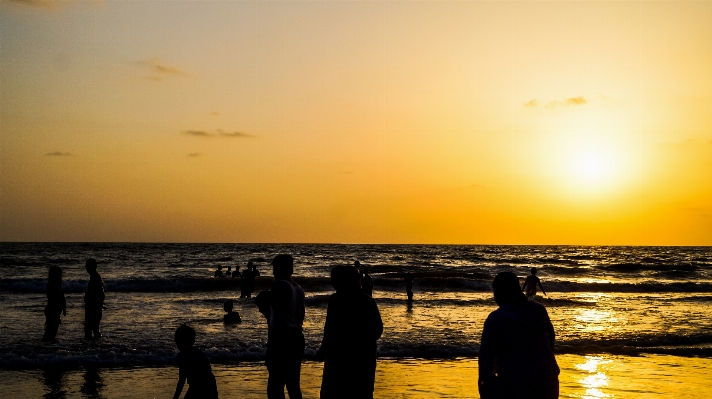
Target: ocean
(625,306)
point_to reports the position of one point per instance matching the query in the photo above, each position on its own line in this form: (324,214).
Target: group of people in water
(516,358)
(247,278)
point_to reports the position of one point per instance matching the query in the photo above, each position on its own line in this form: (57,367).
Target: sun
(593,166)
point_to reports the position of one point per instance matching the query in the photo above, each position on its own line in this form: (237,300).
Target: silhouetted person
(248,280)
(219,272)
(285,343)
(530,284)
(409,286)
(56,304)
(367,283)
(231,317)
(353,325)
(93,301)
(194,367)
(236,273)
(516,357)
(228,272)
(263,300)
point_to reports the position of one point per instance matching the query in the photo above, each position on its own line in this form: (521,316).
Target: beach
(630,321)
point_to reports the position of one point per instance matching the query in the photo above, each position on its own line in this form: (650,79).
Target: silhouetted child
(219,272)
(530,284)
(409,286)
(228,272)
(236,273)
(194,367)
(93,301)
(56,304)
(231,317)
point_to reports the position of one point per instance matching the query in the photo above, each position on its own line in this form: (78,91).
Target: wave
(56,355)
(429,283)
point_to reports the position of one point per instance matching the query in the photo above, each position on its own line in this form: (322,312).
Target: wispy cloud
(218,133)
(195,154)
(571,101)
(59,154)
(159,70)
(48,4)
(234,134)
(198,133)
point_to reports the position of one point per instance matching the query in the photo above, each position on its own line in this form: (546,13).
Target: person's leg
(95,326)
(88,322)
(50,331)
(275,382)
(294,367)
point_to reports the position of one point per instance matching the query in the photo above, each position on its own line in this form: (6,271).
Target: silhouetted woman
(353,325)
(93,301)
(56,304)
(517,350)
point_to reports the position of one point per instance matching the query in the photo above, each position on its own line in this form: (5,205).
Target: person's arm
(328,327)
(179,387)
(550,329)
(542,288)
(487,355)
(524,286)
(377,322)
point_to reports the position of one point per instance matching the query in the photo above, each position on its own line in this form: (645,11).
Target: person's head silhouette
(506,289)
(282,266)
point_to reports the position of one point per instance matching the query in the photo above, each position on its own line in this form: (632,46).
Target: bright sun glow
(594,166)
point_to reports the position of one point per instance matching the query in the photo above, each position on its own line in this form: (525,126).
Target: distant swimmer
(231,317)
(409,286)
(56,304)
(530,284)
(219,272)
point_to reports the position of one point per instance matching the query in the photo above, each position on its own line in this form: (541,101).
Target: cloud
(158,69)
(58,154)
(48,4)
(218,133)
(234,134)
(575,101)
(195,154)
(198,133)
(571,101)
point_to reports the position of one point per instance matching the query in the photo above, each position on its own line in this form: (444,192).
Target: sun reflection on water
(596,379)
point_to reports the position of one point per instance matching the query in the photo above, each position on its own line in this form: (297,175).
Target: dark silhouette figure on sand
(193,367)
(285,342)
(230,316)
(530,284)
(56,304)
(516,357)
(219,272)
(93,301)
(409,286)
(353,325)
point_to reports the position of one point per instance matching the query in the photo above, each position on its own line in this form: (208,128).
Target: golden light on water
(596,379)
(595,319)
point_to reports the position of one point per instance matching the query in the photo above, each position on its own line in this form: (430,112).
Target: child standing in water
(193,367)
(93,301)
(56,304)
(530,284)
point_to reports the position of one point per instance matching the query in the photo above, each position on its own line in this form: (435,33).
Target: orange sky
(361,122)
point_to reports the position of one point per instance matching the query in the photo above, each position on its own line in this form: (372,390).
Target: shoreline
(655,376)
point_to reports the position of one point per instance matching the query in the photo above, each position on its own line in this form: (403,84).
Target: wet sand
(588,377)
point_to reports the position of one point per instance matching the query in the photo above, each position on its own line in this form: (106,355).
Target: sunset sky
(356,122)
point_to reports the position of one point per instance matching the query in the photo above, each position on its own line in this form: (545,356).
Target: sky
(468,122)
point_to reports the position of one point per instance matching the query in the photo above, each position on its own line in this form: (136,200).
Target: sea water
(606,303)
